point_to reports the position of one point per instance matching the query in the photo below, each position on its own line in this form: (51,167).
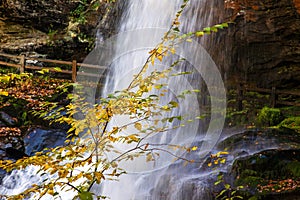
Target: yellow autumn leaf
(98,177)
(173,51)
(194,148)
(222,153)
(159,57)
(199,33)
(176,23)
(88,176)
(133,138)
(3,93)
(51,192)
(159,50)
(149,157)
(138,126)
(152,58)
(115,130)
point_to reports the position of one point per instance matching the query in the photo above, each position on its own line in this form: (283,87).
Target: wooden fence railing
(22,65)
(274,93)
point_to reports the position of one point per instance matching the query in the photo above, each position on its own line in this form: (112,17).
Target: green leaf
(219,26)
(214,29)
(221,193)
(173,104)
(218,182)
(207,29)
(176,29)
(227,186)
(184,36)
(85,196)
(199,33)
(57,69)
(225,25)
(111,96)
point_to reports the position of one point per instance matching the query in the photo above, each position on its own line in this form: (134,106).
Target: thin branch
(172,154)
(72,186)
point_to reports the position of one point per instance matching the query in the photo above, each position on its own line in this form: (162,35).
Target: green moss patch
(291,123)
(269,116)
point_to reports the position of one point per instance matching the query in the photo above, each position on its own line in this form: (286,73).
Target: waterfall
(143,24)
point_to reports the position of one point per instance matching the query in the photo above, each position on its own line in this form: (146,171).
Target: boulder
(37,139)
(15,154)
(7,119)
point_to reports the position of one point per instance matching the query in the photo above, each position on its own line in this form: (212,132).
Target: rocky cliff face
(55,28)
(263,44)
(41,15)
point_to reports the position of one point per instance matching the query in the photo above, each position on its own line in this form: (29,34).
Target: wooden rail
(273,92)
(22,65)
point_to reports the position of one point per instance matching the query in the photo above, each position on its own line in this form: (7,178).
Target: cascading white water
(142,26)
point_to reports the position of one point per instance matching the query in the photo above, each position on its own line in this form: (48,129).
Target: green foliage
(51,34)
(237,118)
(84,7)
(294,168)
(228,192)
(85,196)
(291,123)
(6,70)
(250,180)
(269,116)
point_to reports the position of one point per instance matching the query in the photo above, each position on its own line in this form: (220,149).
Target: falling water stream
(142,27)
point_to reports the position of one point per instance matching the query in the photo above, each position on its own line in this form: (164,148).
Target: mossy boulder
(269,116)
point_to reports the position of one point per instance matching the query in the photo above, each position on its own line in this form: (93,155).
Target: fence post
(240,97)
(22,64)
(273,97)
(74,70)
